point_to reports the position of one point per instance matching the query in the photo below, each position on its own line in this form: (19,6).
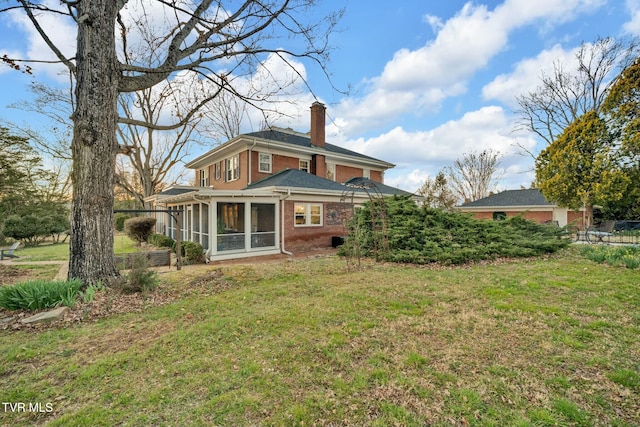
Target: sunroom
(227,225)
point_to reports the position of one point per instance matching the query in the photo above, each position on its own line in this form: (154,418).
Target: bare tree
(565,95)
(195,36)
(149,155)
(224,116)
(473,176)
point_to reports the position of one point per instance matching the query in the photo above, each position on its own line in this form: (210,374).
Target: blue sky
(430,81)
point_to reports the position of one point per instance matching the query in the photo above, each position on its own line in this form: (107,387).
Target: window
(304,166)
(216,171)
(204,177)
(499,216)
(264,162)
(308,214)
(231,168)
(366,173)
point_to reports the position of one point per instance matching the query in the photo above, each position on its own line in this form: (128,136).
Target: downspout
(282,199)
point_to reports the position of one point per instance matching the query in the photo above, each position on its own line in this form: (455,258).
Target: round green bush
(139,228)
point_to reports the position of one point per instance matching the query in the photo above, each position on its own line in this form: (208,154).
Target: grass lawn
(547,342)
(60,251)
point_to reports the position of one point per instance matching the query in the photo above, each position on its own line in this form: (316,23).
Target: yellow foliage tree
(580,169)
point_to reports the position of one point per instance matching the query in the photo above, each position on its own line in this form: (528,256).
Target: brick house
(530,203)
(272,191)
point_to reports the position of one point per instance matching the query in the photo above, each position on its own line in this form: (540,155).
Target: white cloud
(62,33)
(633,26)
(487,128)
(434,22)
(419,80)
(526,75)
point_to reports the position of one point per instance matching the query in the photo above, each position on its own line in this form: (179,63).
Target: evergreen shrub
(423,235)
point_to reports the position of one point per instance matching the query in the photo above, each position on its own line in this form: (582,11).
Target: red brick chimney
(317,124)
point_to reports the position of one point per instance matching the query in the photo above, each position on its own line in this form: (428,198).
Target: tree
(623,106)
(24,182)
(437,194)
(473,176)
(195,36)
(579,169)
(566,95)
(16,157)
(150,155)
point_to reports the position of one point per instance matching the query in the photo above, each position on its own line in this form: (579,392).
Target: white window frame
(307,214)
(303,165)
(216,171)
(204,177)
(232,168)
(264,162)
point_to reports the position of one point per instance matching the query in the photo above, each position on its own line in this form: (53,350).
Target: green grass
(60,251)
(543,342)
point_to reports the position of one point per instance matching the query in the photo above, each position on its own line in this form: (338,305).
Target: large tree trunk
(94,146)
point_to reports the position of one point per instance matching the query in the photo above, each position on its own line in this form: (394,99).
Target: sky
(428,81)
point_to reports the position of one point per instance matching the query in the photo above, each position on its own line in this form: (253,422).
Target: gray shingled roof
(528,197)
(176,191)
(295,178)
(384,189)
(303,141)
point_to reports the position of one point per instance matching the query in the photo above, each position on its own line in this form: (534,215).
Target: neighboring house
(529,203)
(272,191)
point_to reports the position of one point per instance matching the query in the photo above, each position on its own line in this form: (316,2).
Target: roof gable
(526,197)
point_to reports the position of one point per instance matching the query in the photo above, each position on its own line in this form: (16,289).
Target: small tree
(437,193)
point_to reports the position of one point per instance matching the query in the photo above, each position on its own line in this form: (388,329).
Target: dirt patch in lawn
(10,274)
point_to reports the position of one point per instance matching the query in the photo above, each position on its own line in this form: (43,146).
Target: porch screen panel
(196,222)
(263,225)
(230,227)
(204,218)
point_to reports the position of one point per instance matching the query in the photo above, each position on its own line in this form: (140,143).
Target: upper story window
(264,162)
(308,214)
(304,166)
(204,177)
(216,171)
(366,173)
(231,168)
